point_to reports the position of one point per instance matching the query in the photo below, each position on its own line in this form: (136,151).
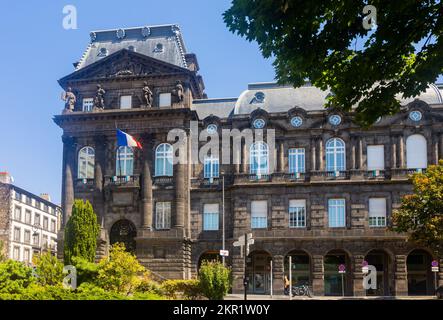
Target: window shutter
(297,203)
(259,208)
(210,208)
(377,207)
(376,157)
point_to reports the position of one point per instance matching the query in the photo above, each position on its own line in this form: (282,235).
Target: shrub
(81,232)
(49,269)
(148,286)
(86,271)
(185,289)
(14,277)
(215,280)
(120,272)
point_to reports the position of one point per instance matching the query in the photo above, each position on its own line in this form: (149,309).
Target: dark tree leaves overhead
(325,42)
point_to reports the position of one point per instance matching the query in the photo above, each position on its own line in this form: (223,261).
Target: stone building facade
(322,191)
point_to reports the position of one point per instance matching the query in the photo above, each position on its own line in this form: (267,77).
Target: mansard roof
(162,42)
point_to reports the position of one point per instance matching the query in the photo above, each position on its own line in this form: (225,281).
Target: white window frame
(86,163)
(87,104)
(163,215)
(164,160)
(16,253)
(259,158)
(27,239)
(337,213)
(211,167)
(17,213)
(296,159)
(17,234)
(377,212)
(335,148)
(125,159)
(165,99)
(28,213)
(375,157)
(126,102)
(26,255)
(416,152)
(259,214)
(297,213)
(211,217)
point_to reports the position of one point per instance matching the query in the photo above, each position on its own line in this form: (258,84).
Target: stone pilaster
(358,275)
(147,204)
(313,156)
(281,157)
(401,276)
(401,151)
(68,178)
(353,154)
(244,157)
(393,152)
(321,163)
(360,154)
(278,275)
(99,167)
(318,281)
(180,190)
(435,144)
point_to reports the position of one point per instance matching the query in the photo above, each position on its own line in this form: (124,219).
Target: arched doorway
(382,263)
(337,283)
(208,256)
(301,268)
(258,269)
(124,231)
(419,273)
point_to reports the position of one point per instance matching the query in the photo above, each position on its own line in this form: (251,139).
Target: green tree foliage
(183,289)
(81,232)
(121,272)
(326,43)
(49,269)
(15,276)
(86,271)
(421,213)
(215,280)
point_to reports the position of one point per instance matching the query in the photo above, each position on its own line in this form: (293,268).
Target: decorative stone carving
(147,95)
(99,100)
(178,92)
(69,98)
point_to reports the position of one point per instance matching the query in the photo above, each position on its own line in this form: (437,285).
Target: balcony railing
(206,182)
(329,175)
(123,181)
(84,184)
(404,172)
(163,180)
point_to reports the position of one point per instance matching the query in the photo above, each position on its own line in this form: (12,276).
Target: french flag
(126,140)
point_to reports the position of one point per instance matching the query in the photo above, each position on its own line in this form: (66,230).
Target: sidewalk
(282,297)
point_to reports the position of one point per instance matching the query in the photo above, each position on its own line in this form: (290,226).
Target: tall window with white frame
(375,157)
(296,160)
(18,213)
(17,234)
(125,161)
(86,162)
(416,152)
(163,160)
(259,214)
(163,215)
(210,217)
(211,167)
(337,213)
(297,213)
(16,253)
(259,158)
(377,212)
(87,104)
(335,155)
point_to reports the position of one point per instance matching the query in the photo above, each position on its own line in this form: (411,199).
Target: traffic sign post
(342,271)
(365,268)
(224,253)
(244,242)
(435,269)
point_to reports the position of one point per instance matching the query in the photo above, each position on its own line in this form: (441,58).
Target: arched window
(335,155)
(211,167)
(86,160)
(259,158)
(416,152)
(125,161)
(163,160)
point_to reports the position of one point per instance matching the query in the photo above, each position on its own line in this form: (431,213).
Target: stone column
(180,190)
(68,179)
(100,150)
(321,163)
(401,276)
(435,149)
(313,151)
(244,158)
(360,154)
(401,151)
(358,276)
(147,182)
(278,275)
(318,282)
(281,157)
(353,154)
(393,152)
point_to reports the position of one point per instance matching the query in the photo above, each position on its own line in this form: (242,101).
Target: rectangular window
(296,160)
(376,157)
(259,214)
(52,225)
(44,241)
(163,216)
(28,201)
(211,167)
(27,236)
(18,196)
(45,223)
(165,100)
(88,104)
(36,239)
(37,219)
(28,216)
(17,234)
(125,102)
(337,213)
(297,213)
(210,217)
(16,253)
(26,255)
(18,213)
(377,212)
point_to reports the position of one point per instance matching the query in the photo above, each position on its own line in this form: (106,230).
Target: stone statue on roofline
(147,95)
(179,91)
(69,98)
(99,100)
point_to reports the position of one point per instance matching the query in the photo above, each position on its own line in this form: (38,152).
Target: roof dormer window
(158,47)
(259,97)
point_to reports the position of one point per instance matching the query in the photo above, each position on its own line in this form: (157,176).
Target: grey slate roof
(221,108)
(143,40)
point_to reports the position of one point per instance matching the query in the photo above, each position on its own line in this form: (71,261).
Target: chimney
(45,196)
(5,177)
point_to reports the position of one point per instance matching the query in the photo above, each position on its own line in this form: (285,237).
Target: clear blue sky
(36,51)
